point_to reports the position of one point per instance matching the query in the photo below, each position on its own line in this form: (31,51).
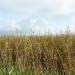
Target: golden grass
(51,53)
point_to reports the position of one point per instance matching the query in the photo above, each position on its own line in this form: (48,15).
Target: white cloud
(25,9)
(9,26)
(43,26)
(22,6)
(14,26)
(66,7)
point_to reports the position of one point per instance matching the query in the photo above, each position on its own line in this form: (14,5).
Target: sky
(37,15)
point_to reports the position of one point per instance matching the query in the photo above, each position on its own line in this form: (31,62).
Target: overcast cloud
(38,15)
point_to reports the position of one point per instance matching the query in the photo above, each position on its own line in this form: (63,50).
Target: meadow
(37,55)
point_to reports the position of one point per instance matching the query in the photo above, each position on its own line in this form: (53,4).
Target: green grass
(32,72)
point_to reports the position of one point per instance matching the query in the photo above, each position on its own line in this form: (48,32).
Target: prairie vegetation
(37,55)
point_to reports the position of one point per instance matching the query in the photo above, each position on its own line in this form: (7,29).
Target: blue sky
(37,15)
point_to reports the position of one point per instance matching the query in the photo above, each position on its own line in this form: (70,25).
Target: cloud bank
(38,15)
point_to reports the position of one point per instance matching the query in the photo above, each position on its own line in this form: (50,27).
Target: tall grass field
(37,55)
